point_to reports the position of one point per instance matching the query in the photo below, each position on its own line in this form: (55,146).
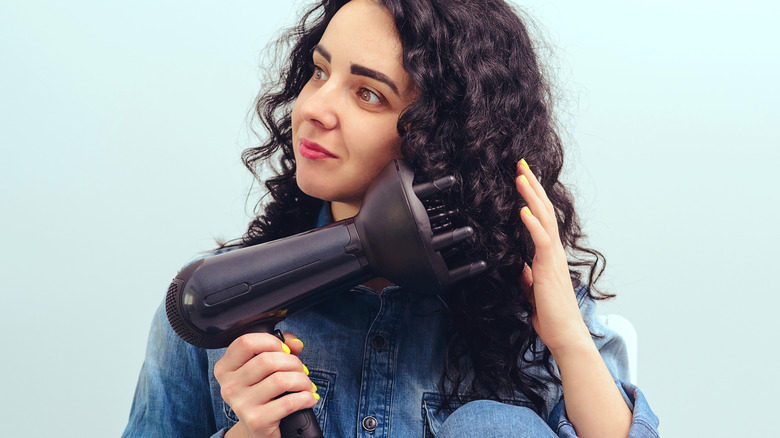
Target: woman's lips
(313,151)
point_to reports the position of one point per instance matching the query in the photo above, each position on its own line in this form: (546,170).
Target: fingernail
(298,341)
(316,396)
(314,386)
(524,163)
(305,370)
(527,211)
(285,348)
(525,180)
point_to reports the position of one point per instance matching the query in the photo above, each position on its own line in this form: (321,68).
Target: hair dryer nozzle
(398,240)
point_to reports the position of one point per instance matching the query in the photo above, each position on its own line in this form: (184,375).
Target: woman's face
(344,120)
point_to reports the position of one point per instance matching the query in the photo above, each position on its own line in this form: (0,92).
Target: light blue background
(121,125)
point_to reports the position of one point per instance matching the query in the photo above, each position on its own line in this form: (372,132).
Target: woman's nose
(319,107)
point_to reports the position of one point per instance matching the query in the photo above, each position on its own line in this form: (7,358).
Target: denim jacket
(370,355)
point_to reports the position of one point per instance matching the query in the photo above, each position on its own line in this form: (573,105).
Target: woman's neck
(378,284)
(343,210)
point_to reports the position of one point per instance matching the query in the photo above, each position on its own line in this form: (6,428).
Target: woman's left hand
(556,317)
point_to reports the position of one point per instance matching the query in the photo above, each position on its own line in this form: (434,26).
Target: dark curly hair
(483,104)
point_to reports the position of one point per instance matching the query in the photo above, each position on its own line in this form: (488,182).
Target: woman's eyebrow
(360,70)
(373,74)
(321,50)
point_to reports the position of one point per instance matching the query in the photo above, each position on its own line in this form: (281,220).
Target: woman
(454,88)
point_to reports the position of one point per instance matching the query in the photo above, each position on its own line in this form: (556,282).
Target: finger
(539,235)
(266,421)
(242,385)
(246,347)
(535,203)
(527,282)
(295,344)
(524,169)
(263,365)
(248,388)
(278,384)
(289,403)
(527,276)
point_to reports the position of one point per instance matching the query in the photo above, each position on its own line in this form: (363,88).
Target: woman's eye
(369,96)
(319,74)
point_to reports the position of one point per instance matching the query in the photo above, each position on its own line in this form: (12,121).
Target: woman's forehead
(364,30)
(363,33)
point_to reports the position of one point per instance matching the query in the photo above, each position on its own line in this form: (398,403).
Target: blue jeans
(487,419)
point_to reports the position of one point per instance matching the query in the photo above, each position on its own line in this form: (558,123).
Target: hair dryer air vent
(397,236)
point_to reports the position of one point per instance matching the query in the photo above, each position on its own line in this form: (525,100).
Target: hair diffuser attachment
(396,229)
(214,300)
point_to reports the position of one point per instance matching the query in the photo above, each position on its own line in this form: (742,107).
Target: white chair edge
(622,326)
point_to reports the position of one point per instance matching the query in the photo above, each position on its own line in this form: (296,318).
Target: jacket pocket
(324,381)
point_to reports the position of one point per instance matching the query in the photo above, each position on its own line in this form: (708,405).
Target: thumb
(527,278)
(295,344)
(527,283)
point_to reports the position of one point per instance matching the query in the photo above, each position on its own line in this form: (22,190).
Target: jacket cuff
(644,423)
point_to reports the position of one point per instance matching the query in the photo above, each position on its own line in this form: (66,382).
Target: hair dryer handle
(301,424)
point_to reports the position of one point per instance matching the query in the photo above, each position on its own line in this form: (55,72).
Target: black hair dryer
(398,234)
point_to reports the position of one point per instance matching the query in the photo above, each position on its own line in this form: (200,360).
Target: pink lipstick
(313,151)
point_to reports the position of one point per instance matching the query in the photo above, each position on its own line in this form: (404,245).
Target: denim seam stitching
(646,425)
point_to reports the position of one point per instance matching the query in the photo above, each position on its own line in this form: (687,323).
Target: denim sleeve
(613,351)
(172,397)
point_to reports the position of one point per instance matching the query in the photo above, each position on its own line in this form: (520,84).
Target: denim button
(378,342)
(370,423)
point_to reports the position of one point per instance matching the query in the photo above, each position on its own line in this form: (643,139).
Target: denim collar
(325,216)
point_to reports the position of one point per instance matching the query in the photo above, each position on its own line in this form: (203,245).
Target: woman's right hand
(255,371)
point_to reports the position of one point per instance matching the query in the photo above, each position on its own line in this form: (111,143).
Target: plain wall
(121,125)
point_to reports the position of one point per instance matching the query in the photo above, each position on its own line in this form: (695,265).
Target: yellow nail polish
(285,348)
(527,211)
(305,370)
(314,386)
(316,396)
(298,341)
(524,163)
(525,180)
